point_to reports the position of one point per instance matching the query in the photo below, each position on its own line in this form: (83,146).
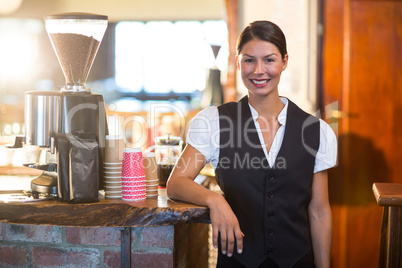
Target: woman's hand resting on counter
(225,223)
(181,186)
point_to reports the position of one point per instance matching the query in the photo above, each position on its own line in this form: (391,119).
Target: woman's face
(260,64)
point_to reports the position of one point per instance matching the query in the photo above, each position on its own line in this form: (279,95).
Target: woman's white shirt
(204,135)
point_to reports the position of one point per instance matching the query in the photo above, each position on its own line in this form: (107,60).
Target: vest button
(271,177)
(271,195)
(269,251)
(271,232)
(270,214)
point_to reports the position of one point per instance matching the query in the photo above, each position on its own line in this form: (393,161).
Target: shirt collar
(282,115)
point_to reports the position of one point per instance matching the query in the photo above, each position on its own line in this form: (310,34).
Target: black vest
(270,203)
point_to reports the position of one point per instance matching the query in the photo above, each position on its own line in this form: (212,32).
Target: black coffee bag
(63,166)
(84,168)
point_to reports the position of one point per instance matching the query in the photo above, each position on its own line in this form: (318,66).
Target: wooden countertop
(106,213)
(388,194)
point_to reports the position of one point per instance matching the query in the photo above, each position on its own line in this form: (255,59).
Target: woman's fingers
(229,236)
(215,235)
(234,235)
(230,243)
(223,241)
(239,241)
(226,226)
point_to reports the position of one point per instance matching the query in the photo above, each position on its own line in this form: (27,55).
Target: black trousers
(230,262)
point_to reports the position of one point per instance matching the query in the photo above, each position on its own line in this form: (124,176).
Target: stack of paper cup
(133,175)
(112,167)
(151,175)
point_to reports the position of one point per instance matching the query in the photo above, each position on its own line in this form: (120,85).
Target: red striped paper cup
(137,178)
(133,197)
(131,191)
(133,165)
(133,183)
(137,187)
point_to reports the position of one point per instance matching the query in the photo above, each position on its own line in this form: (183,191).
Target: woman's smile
(260,82)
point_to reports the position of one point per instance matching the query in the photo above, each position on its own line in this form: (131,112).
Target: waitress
(270,159)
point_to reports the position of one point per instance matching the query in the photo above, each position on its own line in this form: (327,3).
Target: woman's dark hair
(265,31)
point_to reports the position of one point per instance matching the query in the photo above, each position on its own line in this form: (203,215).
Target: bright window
(165,56)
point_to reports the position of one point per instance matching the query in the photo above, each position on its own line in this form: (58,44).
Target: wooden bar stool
(389,195)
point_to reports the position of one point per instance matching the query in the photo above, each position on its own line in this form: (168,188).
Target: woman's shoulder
(326,128)
(328,152)
(209,113)
(207,119)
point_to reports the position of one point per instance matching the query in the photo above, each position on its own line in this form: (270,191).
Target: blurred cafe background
(160,62)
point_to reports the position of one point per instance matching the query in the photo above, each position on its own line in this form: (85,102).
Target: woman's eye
(248,60)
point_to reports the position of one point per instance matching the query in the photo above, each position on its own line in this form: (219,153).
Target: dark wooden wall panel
(362,71)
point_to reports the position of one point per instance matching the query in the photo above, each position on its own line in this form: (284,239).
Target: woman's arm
(181,186)
(320,217)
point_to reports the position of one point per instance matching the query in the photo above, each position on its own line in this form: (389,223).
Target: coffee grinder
(75,38)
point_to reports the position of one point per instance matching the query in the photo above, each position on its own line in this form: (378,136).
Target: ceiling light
(9,6)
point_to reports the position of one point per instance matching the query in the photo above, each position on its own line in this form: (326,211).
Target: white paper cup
(111,164)
(112,168)
(112,197)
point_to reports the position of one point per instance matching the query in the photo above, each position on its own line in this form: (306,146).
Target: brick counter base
(55,246)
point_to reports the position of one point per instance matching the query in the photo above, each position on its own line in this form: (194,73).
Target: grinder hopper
(76,38)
